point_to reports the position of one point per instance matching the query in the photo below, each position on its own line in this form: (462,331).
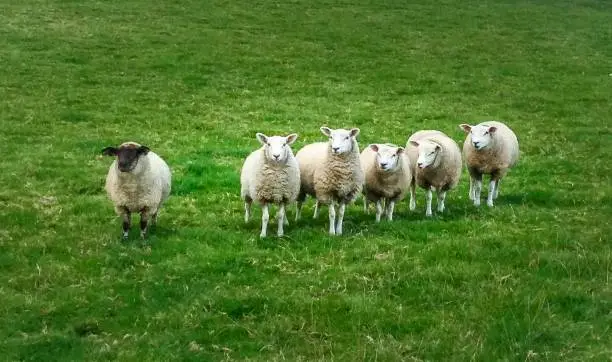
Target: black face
(127,155)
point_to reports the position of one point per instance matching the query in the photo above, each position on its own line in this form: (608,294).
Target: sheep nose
(420,164)
(476,144)
(383,164)
(335,149)
(276,157)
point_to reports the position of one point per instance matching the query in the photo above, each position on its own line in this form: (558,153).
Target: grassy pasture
(194,80)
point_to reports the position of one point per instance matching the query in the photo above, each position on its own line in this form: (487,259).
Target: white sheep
(270,175)
(489,148)
(331,172)
(387,177)
(436,162)
(137,181)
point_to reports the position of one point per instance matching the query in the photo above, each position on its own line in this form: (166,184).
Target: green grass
(194,80)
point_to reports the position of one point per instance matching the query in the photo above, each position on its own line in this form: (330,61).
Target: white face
(340,140)
(277,148)
(387,157)
(428,151)
(480,134)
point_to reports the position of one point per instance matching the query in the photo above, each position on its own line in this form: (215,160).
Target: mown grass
(193,80)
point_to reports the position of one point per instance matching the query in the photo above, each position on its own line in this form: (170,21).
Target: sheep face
(340,140)
(387,157)
(277,148)
(127,155)
(480,134)
(428,152)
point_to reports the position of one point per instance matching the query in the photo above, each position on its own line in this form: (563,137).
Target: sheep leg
(265,217)
(286,219)
(127,221)
(390,207)
(496,189)
(316,210)
(379,210)
(441,198)
(428,202)
(280,215)
(492,191)
(471,192)
(247,210)
(412,195)
(300,202)
(340,218)
(144,222)
(332,218)
(365,204)
(475,185)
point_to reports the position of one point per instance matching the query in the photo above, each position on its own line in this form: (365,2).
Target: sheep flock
(334,173)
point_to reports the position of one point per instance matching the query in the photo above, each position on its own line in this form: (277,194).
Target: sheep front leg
(300,202)
(332,218)
(145,215)
(496,189)
(280,216)
(413,195)
(340,218)
(492,191)
(365,205)
(379,210)
(265,217)
(441,198)
(428,202)
(390,208)
(126,216)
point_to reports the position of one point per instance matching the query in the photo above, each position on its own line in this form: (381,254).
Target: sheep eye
(346,138)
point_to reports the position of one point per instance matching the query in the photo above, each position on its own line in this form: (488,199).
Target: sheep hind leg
(379,210)
(365,205)
(316,210)
(247,210)
(298,205)
(496,193)
(412,195)
(390,208)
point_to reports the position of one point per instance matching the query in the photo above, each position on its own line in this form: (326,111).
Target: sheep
(489,148)
(387,177)
(137,181)
(331,172)
(436,163)
(270,174)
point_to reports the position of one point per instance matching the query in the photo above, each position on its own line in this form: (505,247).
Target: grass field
(194,80)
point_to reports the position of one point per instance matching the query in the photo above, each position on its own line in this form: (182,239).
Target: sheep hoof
(428,214)
(490,203)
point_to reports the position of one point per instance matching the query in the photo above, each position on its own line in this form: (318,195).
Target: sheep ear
(326,131)
(109,151)
(492,129)
(400,150)
(374,147)
(465,127)
(262,138)
(414,143)
(354,132)
(291,138)
(143,150)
